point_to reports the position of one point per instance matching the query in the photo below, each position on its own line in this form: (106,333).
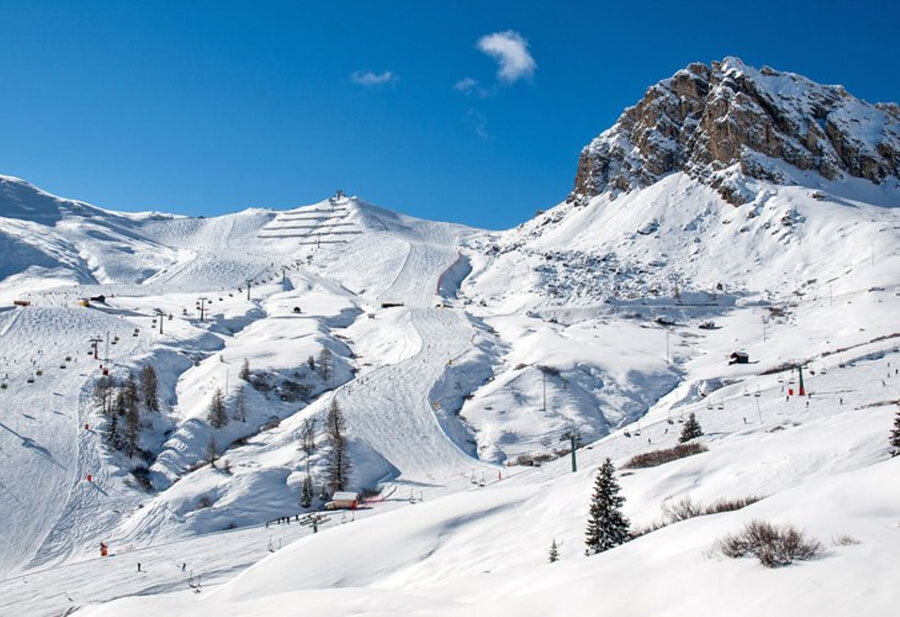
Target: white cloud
(477,121)
(467,85)
(368,78)
(510,50)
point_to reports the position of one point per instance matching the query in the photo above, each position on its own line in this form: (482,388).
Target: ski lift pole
(802,389)
(572,436)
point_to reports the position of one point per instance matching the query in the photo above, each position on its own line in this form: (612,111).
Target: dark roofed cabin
(740,357)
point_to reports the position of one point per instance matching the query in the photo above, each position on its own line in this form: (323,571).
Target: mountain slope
(732,208)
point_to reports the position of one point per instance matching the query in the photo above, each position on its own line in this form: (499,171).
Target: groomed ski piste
(457,356)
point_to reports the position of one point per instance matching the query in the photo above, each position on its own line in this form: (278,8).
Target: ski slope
(455,354)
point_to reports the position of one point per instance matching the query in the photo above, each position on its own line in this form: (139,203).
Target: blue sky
(210,107)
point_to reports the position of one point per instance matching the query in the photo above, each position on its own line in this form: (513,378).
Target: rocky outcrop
(715,122)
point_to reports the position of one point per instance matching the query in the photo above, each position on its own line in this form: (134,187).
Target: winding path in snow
(389,408)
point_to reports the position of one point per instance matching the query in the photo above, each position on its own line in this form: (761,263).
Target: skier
(183,566)
(139,566)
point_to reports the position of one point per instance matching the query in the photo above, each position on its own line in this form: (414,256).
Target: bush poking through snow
(691,429)
(844,540)
(773,546)
(686,508)
(660,457)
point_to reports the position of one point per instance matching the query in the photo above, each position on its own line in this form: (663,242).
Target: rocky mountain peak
(719,121)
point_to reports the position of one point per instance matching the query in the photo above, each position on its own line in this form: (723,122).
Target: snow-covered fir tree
(553,553)
(216,416)
(607,527)
(245,370)
(691,429)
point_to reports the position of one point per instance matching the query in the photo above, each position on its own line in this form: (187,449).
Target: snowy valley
(731,210)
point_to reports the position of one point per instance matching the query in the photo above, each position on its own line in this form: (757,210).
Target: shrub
(773,546)
(844,540)
(681,510)
(730,505)
(686,508)
(660,457)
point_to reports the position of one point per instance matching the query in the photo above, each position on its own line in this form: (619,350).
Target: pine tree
(240,406)
(104,394)
(120,405)
(308,436)
(311,363)
(245,371)
(895,434)
(149,383)
(338,458)
(324,365)
(217,417)
(553,554)
(306,492)
(691,429)
(607,527)
(113,437)
(132,424)
(131,391)
(211,448)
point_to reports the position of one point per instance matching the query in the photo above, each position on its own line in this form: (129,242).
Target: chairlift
(68,358)
(626,433)
(62,366)
(39,372)
(721,406)
(29,380)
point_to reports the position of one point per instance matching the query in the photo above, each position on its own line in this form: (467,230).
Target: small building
(101,298)
(343,500)
(84,302)
(297,310)
(739,357)
(21,302)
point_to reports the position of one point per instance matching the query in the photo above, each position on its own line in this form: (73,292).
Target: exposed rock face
(714,122)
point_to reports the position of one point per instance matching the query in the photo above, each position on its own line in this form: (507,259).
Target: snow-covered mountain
(731,209)
(722,122)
